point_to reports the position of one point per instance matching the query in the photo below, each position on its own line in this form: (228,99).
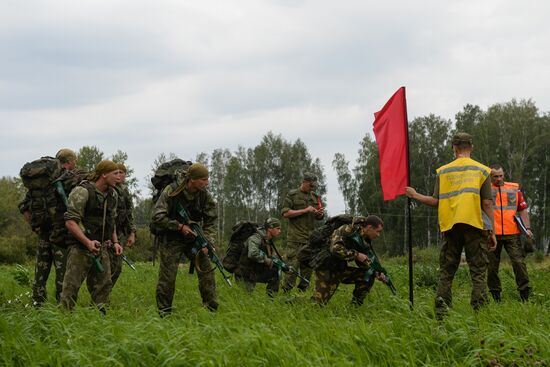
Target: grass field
(252,330)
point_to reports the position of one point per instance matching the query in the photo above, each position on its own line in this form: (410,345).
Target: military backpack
(166,174)
(63,187)
(316,253)
(38,176)
(241,231)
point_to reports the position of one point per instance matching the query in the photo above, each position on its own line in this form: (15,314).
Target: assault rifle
(283,266)
(374,266)
(128,262)
(286,268)
(202,242)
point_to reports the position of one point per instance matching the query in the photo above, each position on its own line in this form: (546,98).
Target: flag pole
(409,219)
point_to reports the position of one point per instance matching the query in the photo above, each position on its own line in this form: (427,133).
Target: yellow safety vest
(459,193)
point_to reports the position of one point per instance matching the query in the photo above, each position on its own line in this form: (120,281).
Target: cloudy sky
(187,77)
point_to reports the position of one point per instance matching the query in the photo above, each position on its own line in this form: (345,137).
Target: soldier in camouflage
(48,253)
(177,238)
(255,264)
(126,231)
(343,247)
(302,208)
(90,219)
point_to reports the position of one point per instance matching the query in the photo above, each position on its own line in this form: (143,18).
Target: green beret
(105,167)
(197,171)
(462,138)
(272,223)
(121,167)
(65,155)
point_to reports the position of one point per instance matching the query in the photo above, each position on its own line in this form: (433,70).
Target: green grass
(252,330)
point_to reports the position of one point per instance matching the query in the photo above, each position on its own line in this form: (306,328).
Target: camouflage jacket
(258,247)
(201,206)
(343,242)
(125,211)
(88,211)
(300,227)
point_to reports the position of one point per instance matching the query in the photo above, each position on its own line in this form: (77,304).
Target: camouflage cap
(272,223)
(462,138)
(308,176)
(197,171)
(65,155)
(122,167)
(359,221)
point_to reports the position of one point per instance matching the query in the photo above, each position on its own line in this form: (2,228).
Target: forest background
(251,182)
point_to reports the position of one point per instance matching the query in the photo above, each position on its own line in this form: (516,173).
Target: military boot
(524,294)
(496,295)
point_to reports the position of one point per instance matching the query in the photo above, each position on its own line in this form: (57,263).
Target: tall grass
(252,330)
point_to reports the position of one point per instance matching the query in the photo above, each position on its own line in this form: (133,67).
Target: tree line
(251,183)
(513,134)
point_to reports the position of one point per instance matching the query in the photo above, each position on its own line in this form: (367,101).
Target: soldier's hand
(94,246)
(204,250)
(410,192)
(118,249)
(27,216)
(529,234)
(131,240)
(268,262)
(187,231)
(319,212)
(310,209)
(381,277)
(362,258)
(492,245)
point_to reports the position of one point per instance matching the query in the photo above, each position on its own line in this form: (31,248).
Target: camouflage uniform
(124,227)
(299,229)
(474,242)
(342,247)
(252,264)
(173,244)
(47,254)
(86,207)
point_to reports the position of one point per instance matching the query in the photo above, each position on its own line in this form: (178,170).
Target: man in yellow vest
(462,195)
(508,202)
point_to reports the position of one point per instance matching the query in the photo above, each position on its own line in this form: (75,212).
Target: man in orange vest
(508,202)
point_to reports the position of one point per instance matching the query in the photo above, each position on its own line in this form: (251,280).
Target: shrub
(13,250)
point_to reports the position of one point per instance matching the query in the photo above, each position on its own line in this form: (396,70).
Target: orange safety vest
(505,206)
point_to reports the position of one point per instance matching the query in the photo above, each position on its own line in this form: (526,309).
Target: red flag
(391,132)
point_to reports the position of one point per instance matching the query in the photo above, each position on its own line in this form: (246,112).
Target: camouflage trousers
(462,236)
(47,255)
(512,245)
(327,281)
(260,274)
(116,266)
(170,256)
(291,253)
(80,266)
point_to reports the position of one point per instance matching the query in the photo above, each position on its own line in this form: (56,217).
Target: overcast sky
(187,77)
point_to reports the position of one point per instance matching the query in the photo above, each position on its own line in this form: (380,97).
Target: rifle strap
(197,266)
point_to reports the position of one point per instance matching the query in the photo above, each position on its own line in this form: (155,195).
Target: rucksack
(167,173)
(241,231)
(37,176)
(65,183)
(316,253)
